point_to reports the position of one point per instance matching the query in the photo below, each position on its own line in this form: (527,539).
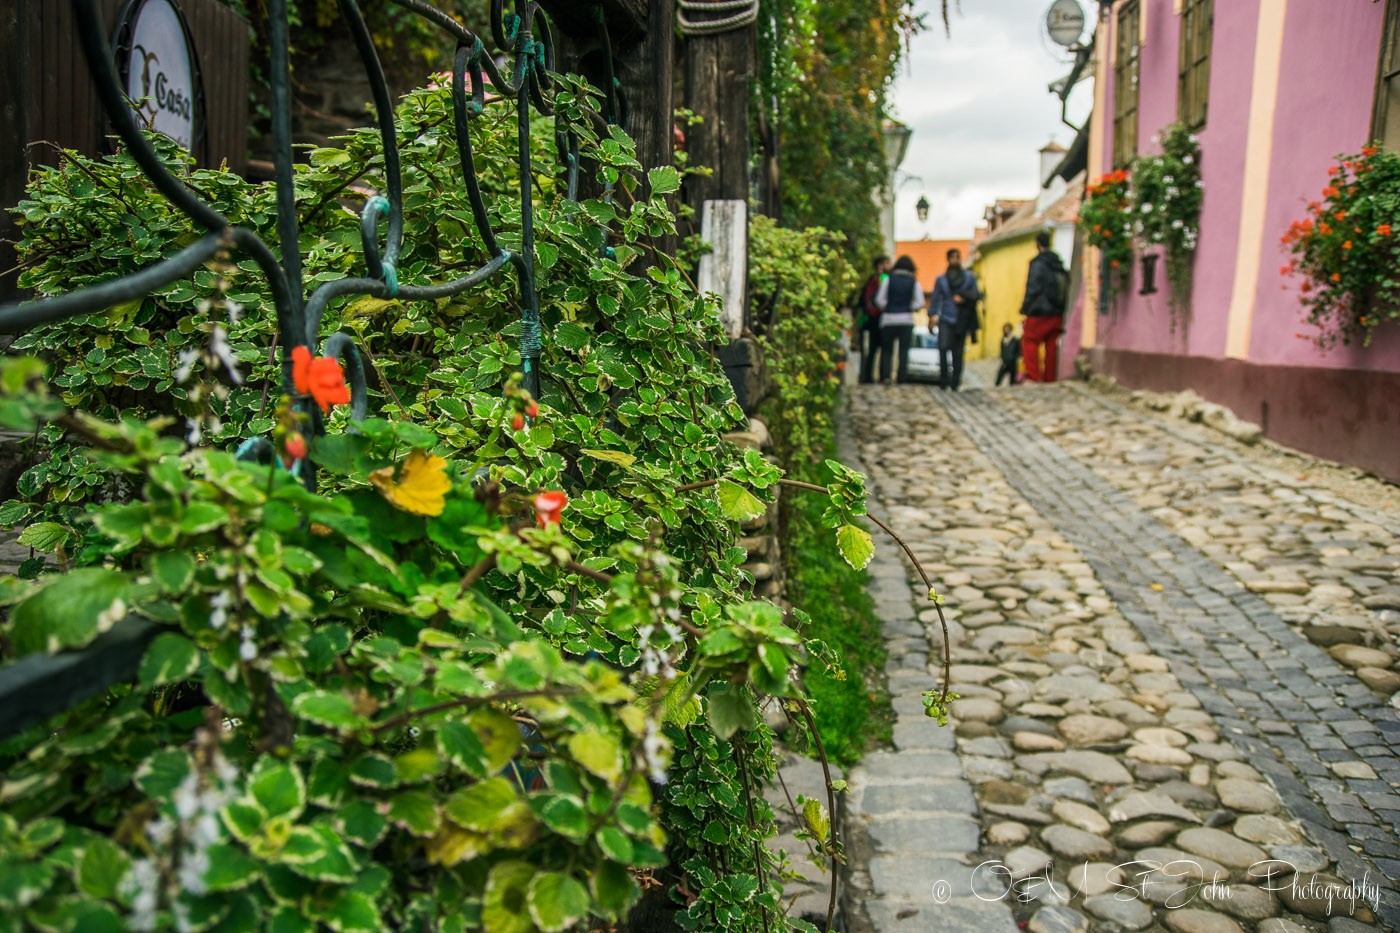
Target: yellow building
(1003,259)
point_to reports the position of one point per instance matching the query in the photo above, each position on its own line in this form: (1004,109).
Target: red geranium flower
(548,505)
(319,377)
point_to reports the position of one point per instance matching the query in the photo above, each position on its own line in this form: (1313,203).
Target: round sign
(160,73)
(1065,22)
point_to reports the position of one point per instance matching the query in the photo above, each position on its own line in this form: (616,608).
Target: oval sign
(1065,22)
(160,76)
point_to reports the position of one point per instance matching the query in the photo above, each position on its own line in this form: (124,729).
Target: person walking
(1044,310)
(1010,354)
(868,331)
(898,298)
(955,297)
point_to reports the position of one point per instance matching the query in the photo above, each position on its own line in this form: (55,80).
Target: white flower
(218,609)
(187,360)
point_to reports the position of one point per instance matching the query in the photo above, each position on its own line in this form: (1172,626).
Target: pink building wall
(1324,107)
(1343,403)
(1316,120)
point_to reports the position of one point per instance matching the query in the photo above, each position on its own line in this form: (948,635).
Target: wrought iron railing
(39,686)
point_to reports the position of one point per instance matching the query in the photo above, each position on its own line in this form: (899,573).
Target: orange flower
(1336,276)
(1284,270)
(1369,151)
(1346,245)
(548,505)
(320,377)
(1330,192)
(1332,170)
(1324,227)
(1341,215)
(1383,229)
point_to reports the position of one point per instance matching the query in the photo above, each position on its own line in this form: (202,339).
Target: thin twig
(739,757)
(830,800)
(411,715)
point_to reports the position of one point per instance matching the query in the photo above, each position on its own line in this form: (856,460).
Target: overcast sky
(980,110)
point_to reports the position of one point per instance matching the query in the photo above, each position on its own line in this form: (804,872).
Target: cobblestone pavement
(1172,660)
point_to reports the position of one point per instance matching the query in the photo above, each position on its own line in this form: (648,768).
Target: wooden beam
(627,19)
(719,70)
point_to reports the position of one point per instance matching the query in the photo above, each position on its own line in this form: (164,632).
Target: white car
(923,356)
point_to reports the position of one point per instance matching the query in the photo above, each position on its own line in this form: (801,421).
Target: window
(1385,126)
(1193,86)
(1125,84)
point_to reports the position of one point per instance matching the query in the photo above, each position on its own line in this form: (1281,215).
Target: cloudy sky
(979,109)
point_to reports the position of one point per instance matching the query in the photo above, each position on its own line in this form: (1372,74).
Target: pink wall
(1314,121)
(1324,107)
(1143,322)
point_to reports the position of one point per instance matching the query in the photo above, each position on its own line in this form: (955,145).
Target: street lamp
(921,208)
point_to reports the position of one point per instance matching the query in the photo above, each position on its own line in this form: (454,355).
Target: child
(1010,354)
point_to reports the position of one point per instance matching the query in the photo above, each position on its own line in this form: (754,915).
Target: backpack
(1058,295)
(867,297)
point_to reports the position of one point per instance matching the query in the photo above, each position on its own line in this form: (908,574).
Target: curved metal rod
(281,80)
(316,304)
(369,237)
(374,71)
(542,63)
(464,139)
(507,88)
(342,346)
(18,318)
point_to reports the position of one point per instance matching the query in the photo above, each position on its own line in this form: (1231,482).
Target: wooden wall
(46,95)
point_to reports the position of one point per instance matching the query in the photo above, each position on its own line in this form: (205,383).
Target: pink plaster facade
(1325,94)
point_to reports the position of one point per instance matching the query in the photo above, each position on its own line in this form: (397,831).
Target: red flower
(1383,229)
(1341,215)
(1336,276)
(1369,151)
(1324,228)
(1330,192)
(548,505)
(518,422)
(533,409)
(1332,170)
(296,446)
(1284,270)
(1346,245)
(320,377)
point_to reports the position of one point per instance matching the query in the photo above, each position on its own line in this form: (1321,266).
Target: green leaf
(335,710)
(160,774)
(278,788)
(230,868)
(373,770)
(415,811)
(315,852)
(616,845)
(338,453)
(481,805)
(101,868)
(737,503)
(728,710)
(599,752)
(201,517)
(44,536)
(70,612)
(557,901)
(506,906)
(624,460)
(361,823)
(170,658)
(664,180)
(172,570)
(818,823)
(460,746)
(614,888)
(856,545)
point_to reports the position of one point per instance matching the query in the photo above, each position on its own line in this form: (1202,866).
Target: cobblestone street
(1176,661)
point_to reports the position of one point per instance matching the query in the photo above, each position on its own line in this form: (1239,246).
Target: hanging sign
(162,79)
(1065,22)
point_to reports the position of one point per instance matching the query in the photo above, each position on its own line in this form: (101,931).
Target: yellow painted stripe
(1254,201)
(1101,118)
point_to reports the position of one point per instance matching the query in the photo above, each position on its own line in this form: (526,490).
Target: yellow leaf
(421,486)
(1158,587)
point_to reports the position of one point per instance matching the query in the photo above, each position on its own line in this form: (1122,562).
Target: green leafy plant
(1107,221)
(1167,196)
(1346,252)
(441,690)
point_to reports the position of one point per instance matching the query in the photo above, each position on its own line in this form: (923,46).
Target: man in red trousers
(1044,309)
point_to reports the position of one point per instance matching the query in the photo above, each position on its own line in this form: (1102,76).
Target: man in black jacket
(1044,309)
